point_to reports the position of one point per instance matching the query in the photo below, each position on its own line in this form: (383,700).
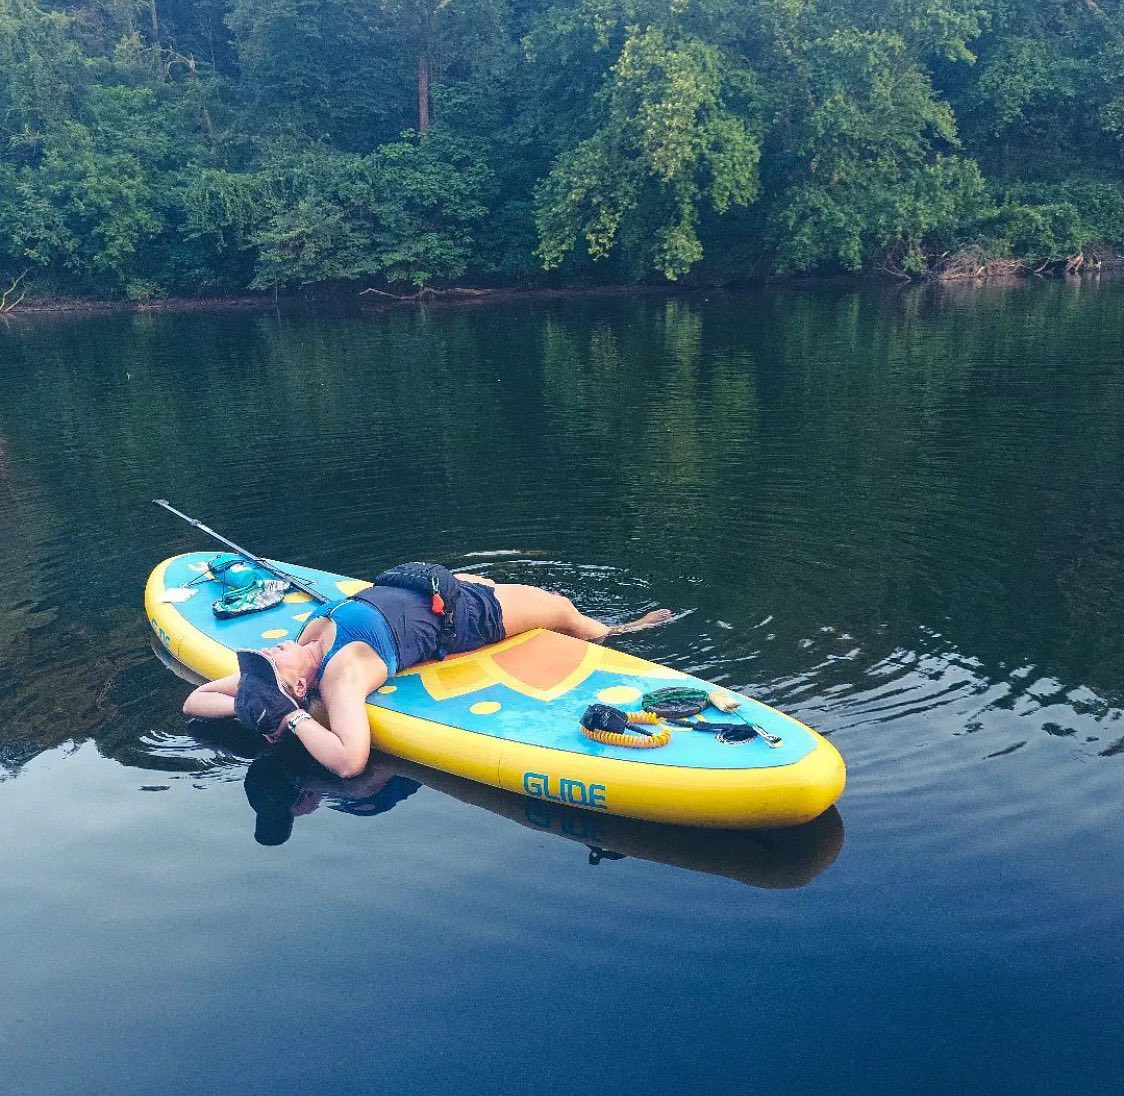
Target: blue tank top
(398,625)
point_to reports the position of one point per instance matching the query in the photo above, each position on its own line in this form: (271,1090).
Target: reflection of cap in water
(272,788)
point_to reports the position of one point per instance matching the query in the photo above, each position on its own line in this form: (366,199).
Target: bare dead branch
(6,305)
(427,292)
(382,293)
(970,263)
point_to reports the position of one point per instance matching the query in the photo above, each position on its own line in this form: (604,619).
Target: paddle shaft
(771,740)
(271,568)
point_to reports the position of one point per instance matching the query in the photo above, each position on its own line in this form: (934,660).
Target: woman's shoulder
(317,624)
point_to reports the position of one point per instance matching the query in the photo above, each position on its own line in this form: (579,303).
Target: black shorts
(479,618)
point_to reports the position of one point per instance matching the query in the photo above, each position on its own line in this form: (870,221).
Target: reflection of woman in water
(286,783)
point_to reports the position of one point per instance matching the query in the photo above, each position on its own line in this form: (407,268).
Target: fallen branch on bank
(7,306)
(972,262)
(1095,256)
(975,262)
(426,292)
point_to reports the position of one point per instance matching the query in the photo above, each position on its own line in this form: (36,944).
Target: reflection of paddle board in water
(508,715)
(771,859)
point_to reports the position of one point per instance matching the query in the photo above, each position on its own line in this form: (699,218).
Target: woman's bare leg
(526,607)
(648,620)
(468,576)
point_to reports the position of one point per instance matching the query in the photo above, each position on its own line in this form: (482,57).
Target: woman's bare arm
(213,699)
(343,744)
(344,747)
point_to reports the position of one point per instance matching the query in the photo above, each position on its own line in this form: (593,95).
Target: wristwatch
(296,718)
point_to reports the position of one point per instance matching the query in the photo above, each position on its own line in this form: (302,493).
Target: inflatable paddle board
(508,715)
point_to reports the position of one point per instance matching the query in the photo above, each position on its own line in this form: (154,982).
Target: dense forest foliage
(205,147)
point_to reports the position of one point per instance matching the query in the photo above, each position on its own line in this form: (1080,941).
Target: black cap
(264,697)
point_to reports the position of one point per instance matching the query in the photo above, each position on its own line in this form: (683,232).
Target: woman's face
(291,661)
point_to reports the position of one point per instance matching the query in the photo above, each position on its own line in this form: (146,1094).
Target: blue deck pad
(502,711)
(555,724)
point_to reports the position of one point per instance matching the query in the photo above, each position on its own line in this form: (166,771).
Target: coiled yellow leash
(612,727)
(600,723)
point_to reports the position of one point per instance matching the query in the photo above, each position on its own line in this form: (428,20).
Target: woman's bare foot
(648,620)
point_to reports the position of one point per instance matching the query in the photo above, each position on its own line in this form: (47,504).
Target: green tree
(670,137)
(871,162)
(862,160)
(203,146)
(407,212)
(1047,89)
(318,71)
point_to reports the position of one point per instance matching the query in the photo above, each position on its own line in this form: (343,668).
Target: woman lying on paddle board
(349,648)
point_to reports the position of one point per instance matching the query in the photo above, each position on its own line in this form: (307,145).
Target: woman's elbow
(199,704)
(352,763)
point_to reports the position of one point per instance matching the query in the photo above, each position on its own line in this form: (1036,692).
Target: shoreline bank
(362,300)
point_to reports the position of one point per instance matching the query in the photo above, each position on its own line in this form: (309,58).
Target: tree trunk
(423,93)
(157,58)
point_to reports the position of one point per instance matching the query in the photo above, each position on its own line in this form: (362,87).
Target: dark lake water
(897,514)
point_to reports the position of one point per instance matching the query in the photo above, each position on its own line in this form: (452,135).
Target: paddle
(731,705)
(271,568)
